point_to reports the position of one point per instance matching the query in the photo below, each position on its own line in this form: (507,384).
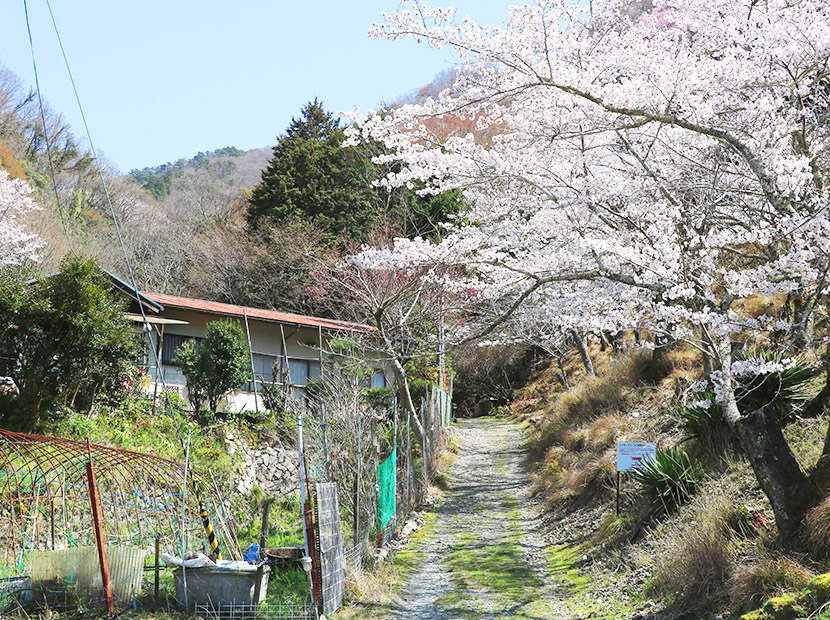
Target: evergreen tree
(312,177)
(63,338)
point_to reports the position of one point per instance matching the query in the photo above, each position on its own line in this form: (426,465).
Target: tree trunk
(802,331)
(815,406)
(785,484)
(579,342)
(789,490)
(708,347)
(400,375)
(562,374)
(613,339)
(662,342)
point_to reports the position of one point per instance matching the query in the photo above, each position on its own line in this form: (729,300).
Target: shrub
(418,389)
(380,398)
(590,480)
(216,365)
(613,529)
(644,367)
(697,566)
(669,479)
(62,338)
(594,396)
(704,421)
(743,522)
(818,526)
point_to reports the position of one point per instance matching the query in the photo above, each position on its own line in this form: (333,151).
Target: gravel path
(485,556)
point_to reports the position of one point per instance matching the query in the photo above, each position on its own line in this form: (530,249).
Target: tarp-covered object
(386,490)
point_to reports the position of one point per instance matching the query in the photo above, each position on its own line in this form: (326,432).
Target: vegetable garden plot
(45,500)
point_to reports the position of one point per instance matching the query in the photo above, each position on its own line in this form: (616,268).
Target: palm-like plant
(669,479)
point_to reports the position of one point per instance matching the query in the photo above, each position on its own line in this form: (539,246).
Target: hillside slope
(717,552)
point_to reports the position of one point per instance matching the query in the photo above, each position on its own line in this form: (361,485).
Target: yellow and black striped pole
(203,515)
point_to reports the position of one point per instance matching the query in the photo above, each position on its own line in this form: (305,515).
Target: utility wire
(46,133)
(146,328)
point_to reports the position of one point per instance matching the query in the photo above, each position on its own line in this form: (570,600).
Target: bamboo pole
(184,507)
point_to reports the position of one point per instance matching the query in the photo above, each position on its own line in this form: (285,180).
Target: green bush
(216,364)
(706,424)
(701,420)
(418,390)
(785,390)
(65,340)
(669,479)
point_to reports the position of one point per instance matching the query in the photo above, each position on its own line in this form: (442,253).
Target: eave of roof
(118,283)
(215,307)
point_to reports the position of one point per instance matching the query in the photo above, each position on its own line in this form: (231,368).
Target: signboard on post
(631,454)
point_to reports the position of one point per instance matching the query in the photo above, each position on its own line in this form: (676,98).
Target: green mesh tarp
(386,490)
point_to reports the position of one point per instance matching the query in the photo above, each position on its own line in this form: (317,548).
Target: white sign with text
(631,454)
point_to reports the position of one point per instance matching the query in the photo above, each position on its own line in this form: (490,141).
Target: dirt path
(484,558)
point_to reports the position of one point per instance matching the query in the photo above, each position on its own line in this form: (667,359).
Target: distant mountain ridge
(227,168)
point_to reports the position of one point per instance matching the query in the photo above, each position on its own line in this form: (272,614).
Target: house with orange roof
(284,348)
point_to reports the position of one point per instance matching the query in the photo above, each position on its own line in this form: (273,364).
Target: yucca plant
(669,479)
(786,390)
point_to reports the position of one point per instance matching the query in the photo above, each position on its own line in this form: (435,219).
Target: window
(301,371)
(263,370)
(378,379)
(170,345)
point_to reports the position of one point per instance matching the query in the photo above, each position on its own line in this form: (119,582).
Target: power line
(145,323)
(46,133)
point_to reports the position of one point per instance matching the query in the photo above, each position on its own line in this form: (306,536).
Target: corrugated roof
(214,307)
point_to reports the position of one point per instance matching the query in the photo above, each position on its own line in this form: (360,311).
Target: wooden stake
(619,484)
(263,539)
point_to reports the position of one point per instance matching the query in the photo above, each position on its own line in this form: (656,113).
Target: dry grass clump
(613,529)
(751,584)
(685,357)
(370,587)
(695,560)
(590,479)
(698,566)
(818,526)
(597,434)
(592,397)
(641,367)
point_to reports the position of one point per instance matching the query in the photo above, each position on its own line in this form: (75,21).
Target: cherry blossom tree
(16,245)
(406,306)
(644,166)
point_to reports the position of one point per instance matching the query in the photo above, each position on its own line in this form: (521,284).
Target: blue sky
(164,80)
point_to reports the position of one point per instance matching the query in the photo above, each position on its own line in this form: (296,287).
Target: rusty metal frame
(44,488)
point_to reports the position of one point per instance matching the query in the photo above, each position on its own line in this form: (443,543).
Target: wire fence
(265,611)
